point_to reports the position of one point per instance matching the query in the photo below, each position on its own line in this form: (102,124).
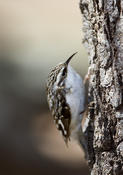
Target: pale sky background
(35,35)
(38,34)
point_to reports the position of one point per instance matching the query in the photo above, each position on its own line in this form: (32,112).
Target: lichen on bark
(103,39)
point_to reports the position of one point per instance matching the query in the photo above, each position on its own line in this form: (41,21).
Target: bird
(66,99)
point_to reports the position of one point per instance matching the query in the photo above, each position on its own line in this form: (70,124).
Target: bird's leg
(82,111)
(82,142)
(87,76)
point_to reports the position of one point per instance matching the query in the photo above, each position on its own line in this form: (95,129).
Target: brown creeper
(65,94)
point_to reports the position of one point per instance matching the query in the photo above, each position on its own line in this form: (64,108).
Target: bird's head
(59,73)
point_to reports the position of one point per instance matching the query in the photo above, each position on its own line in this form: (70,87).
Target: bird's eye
(64,71)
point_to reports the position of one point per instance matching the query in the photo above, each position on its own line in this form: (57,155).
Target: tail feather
(82,142)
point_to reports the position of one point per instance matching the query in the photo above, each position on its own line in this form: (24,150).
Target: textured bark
(103,38)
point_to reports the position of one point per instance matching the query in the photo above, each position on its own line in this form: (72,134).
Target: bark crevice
(103,39)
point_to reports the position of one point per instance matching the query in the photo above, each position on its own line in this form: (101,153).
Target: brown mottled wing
(62,115)
(57,102)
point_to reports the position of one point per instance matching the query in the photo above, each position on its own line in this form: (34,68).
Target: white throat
(74,97)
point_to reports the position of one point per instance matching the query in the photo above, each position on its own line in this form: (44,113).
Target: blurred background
(35,35)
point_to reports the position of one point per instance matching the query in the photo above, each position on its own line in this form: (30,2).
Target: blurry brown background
(35,35)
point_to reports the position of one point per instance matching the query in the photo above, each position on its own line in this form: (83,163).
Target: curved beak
(69,59)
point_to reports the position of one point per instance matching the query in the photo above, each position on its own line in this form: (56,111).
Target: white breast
(76,96)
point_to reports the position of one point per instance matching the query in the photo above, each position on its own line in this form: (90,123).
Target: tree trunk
(103,38)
